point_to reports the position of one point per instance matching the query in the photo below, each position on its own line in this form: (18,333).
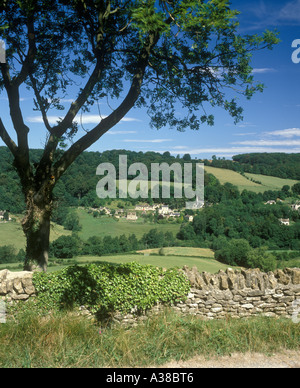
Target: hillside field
(176,260)
(268,182)
(11,233)
(107,226)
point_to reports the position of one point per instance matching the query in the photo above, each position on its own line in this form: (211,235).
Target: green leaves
(192,48)
(146,18)
(107,288)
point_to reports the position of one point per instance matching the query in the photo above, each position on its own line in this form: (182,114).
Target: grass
(11,233)
(110,227)
(267,182)
(271,182)
(234,178)
(203,264)
(182,251)
(65,340)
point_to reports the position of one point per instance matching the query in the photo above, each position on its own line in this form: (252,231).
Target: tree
(163,52)
(262,259)
(234,253)
(296,188)
(65,247)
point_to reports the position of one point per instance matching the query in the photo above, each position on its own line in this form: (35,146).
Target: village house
(189,218)
(164,210)
(145,207)
(2,216)
(174,214)
(120,213)
(295,206)
(131,216)
(285,221)
(271,202)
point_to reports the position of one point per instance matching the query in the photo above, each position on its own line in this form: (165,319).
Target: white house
(164,210)
(271,202)
(285,221)
(189,218)
(295,206)
(131,216)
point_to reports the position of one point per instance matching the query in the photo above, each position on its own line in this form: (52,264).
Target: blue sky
(271,119)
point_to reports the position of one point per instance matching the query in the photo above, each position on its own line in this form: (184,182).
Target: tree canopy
(147,53)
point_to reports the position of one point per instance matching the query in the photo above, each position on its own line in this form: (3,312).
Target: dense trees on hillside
(250,220)
(228,214)
(276,164)
(77,187)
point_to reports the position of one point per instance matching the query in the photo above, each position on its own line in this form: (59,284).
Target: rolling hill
(235,178)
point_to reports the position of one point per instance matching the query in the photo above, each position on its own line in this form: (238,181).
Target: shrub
(8,254)
(262,259)
(65,247)
(105,287)
(234,252)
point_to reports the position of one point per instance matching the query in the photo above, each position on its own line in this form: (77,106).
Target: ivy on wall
(105,288)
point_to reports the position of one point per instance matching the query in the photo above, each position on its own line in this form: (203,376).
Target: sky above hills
(271,119)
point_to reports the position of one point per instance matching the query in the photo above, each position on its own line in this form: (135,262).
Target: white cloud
(120,132)
(85,119)
(179,147)
(265,143)
(146,141)
(288,133)
(263,70)
(245,134)
(229,151)
(290,12)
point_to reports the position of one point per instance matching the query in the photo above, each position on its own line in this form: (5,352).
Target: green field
(182,251)
(11,233)
(108,226)
(268,182)
(203,264)
(271,182)
(202,258)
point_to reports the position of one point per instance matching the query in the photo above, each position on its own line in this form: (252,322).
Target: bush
(8,254)
(234,252)
(65,247)
(239,252)
(262,259)
(105,288)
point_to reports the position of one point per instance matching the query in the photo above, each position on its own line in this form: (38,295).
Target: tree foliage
(144,53)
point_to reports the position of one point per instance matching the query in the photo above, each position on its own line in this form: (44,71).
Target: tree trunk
(36,226)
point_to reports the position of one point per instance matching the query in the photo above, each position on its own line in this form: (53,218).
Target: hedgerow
(105,288)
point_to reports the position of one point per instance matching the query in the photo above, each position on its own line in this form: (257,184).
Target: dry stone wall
(16,285)
(232,293)
(242,293)
(237,294)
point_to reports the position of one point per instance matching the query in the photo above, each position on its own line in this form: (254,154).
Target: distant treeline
(77,187)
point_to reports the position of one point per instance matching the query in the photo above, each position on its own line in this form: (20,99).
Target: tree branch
(7,140)
(106,124)
(15,111)
(29,60)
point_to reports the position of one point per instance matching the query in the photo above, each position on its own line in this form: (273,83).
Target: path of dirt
(284,359)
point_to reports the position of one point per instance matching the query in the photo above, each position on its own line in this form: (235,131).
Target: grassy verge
(64,340)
